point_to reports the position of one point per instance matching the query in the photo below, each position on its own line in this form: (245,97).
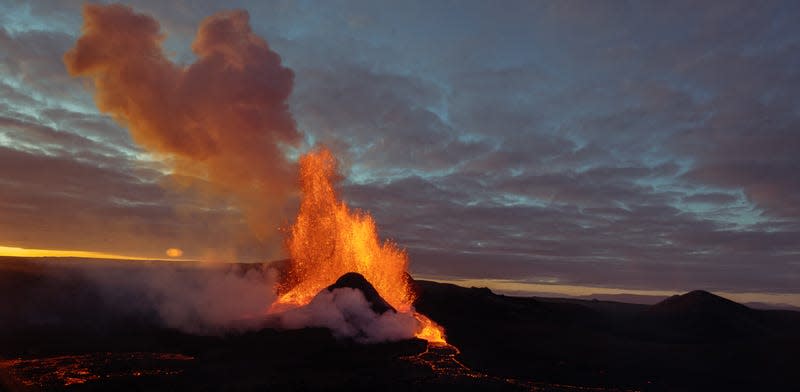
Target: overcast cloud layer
(639,145)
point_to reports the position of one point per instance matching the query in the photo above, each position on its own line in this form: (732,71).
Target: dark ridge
(698,300)
(357,281)
(700,315)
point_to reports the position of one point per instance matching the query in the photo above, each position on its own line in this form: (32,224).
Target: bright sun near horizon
(174,252)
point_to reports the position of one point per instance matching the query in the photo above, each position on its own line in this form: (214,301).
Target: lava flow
(328,240)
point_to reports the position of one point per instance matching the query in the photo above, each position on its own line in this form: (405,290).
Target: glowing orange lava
(429,330)
(328,239)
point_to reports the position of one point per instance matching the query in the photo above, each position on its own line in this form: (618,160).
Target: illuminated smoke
(347,313)
(223,118)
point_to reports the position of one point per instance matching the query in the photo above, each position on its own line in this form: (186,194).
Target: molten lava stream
(430,331)
(328,240)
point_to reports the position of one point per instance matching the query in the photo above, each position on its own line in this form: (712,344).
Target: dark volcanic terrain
(58,332)
(696,341)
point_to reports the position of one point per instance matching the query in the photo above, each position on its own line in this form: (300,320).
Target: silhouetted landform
(696,341)
(640,299)
(626,298)
(701,316)
(357,281)
(771,306)
(54,324)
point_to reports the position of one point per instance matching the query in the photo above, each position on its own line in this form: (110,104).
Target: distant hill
(698,301)
(701,316)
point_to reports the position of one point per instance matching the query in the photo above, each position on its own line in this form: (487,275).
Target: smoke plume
(224,118)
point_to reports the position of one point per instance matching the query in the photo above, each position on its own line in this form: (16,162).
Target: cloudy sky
(641,145)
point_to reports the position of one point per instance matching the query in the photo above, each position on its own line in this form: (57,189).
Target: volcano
(356,281)
(331,242)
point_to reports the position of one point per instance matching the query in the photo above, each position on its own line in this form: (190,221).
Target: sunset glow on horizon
(30,252)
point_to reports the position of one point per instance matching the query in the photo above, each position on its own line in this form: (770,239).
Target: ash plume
(223,119)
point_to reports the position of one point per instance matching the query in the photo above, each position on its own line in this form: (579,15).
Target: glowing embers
(329,240)
(69,370)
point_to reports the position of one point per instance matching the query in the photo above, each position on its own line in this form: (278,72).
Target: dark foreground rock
(59,332)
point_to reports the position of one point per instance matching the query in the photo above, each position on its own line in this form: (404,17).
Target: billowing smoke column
(223,118)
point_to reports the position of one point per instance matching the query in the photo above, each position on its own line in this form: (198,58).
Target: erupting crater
(329,242)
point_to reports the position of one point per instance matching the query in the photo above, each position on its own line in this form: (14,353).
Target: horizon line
(500,286)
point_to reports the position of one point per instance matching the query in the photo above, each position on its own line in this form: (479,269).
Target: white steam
(199,300)
(348,314)
(206,299)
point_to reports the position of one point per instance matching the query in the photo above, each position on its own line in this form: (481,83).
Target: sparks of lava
(328,239)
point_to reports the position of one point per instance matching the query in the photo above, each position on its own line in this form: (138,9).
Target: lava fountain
(328,240)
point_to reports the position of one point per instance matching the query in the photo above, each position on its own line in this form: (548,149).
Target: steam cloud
(198,300)
(223,118)
(207,299)
(347,313)
(218,298)
(100,295)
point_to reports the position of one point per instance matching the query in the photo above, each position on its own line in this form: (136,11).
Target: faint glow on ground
(68,370)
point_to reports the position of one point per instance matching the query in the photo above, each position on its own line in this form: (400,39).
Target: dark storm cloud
(749,140)
(386,124)
(38,136)
(772,184)
(583,247)
(475,233)
(95,126)
(11,95)
(32,59)
(711,198)
(645,144)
